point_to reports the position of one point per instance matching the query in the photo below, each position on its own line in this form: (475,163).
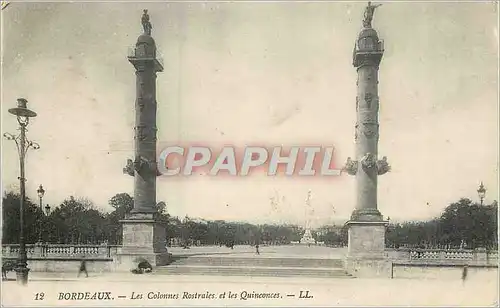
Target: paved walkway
(292,251)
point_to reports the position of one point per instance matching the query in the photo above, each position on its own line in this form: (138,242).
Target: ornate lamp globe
(22,110)
(481,192)
(40,191)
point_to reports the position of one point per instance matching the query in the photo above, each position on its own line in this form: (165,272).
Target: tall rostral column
(366,227)
(143,236)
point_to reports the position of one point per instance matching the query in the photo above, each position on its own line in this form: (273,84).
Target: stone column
(366,235)
(144,237)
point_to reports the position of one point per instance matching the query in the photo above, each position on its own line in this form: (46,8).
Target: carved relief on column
(140,104)
(368,100)
(367,117)
(368,161)
(143,166)
(145,133)
(369,75)
(356,128)
(140,133)
(142,100)
(375,104)
(370,130)
(369,123)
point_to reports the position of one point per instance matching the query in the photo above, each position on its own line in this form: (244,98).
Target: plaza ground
(436,287)
(289,251)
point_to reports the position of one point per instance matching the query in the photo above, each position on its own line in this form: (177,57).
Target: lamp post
(185,230)
(47,213)
(40,191)
(23,115)
(481,192)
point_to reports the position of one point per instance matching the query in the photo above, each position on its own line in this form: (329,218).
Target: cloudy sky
(241,73)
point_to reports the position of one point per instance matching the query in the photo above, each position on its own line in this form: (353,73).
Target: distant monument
(366,236)
(143,236)
(307,238)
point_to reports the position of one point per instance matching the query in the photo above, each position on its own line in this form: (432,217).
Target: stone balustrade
(401,255)
(61,251)
(478,256)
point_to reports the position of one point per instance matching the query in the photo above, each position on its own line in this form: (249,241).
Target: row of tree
(462,224)
(78,221)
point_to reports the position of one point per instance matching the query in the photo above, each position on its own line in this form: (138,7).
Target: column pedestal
(22,275)
(366,256)
(144,237)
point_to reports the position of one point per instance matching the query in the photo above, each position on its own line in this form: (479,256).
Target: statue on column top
(369,10)
(146,24)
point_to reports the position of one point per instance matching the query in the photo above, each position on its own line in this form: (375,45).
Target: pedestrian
(257,249)
(464,273)
(83,268)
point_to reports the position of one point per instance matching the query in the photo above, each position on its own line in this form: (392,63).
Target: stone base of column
(22,275)
(367,215)
(366,256)
(369,268)
(144,238)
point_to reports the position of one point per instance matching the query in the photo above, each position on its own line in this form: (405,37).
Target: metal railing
(131,54)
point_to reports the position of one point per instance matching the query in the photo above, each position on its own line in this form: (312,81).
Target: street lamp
(481,192)
(47,213)
(23,115)
(40,191)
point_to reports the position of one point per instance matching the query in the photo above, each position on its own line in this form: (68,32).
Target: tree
(476,225)
(77,221)
(174,228)
(462,221)
(122,204)
(11,224)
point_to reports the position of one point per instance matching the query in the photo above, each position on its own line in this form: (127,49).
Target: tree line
(463,224)
(78,221)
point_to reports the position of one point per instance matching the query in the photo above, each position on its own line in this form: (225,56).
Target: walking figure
(257,249)
(464,273)
(83,268)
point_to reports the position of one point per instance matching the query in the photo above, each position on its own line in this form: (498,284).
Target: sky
(246,73)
